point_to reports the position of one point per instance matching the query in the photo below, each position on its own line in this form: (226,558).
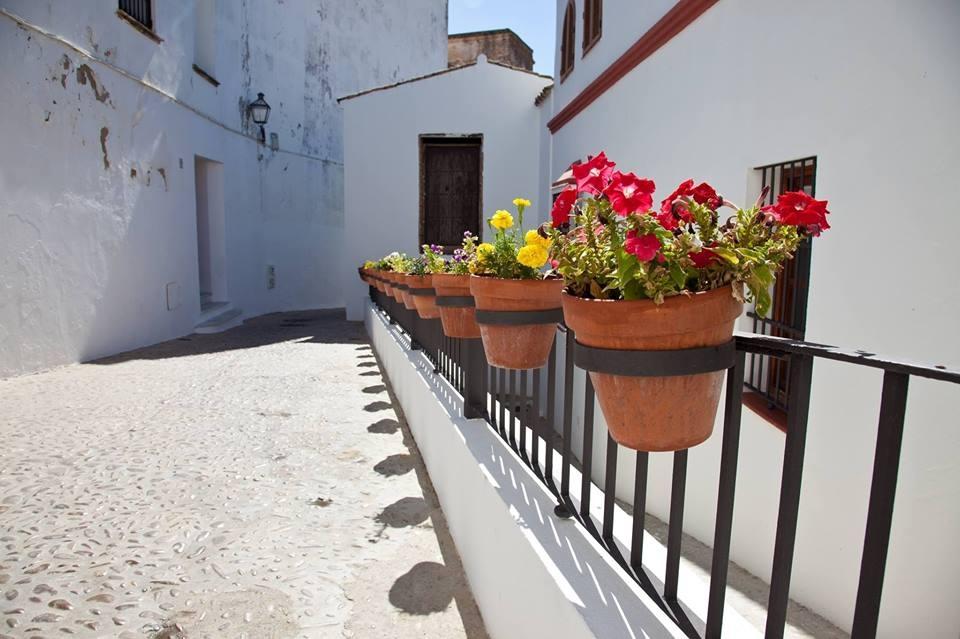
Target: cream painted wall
(871,89)
(92,233)
(382,172)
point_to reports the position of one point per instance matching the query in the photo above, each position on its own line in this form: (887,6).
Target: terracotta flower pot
(517,346)
(458,321)
(426,304)
(656,413)
(396,287)
(405,295)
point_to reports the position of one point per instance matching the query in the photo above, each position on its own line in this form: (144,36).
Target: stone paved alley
(256,483)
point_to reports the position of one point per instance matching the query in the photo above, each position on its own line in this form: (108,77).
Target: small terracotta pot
(458,321)
(656,413)
(426,304)
(521,346)
(405,295)
(388,283)
(378,280)
(397,280)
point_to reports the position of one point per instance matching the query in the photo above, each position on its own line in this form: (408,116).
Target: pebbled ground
(257,483)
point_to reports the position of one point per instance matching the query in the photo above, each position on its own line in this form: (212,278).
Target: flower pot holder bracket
(688,361)
(520,318)
(456,301)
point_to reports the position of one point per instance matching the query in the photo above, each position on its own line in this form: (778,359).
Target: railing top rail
(769,345)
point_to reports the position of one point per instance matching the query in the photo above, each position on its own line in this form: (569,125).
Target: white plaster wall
(871,89)
(87,248)
(382,155)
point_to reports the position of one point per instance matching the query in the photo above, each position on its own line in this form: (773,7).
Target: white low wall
(532,574)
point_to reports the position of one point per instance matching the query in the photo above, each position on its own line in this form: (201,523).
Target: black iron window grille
(139,10)
(524,409)
(592,23)
(768,376)
(567,38)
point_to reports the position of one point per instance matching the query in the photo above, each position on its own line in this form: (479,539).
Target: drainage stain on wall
(104,133)
(86,75)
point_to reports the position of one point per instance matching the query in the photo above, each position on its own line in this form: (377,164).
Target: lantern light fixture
(259,112)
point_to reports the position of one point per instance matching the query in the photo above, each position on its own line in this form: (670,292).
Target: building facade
(858,101)
(138,201)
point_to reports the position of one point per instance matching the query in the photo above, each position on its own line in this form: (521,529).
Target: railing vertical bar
(586,461)
(512,406)
(723,526)
(536,425)
(524,416)
(548,431)
(493,397)
(802,370)
(567,412)
(502,374)
(883,489)
(675,533)
(639,510)
(609,489)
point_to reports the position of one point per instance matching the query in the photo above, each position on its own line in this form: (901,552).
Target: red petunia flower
(668,220)
(563,205)
(643,247)
(684,190)
(704,194)
(704,258)
(796,208)
(629,194)
(594,175)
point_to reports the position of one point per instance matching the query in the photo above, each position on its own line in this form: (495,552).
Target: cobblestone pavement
(257,483)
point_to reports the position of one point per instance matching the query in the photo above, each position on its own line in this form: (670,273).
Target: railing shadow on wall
(525,410)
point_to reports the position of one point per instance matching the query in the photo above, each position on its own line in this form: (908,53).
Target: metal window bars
(521,406)
(139,10)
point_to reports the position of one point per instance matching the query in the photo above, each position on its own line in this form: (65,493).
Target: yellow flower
(484,251)
(521,202)
(501,220)
(533,238)
(368,264)
(532,255)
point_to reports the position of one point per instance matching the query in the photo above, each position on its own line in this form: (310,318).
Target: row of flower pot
(651,295)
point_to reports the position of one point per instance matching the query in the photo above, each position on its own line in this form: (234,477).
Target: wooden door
(451,188)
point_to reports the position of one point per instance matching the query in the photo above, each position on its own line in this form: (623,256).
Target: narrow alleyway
(257,483)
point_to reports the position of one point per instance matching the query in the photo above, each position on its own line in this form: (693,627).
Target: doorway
(451,184)
(211,234)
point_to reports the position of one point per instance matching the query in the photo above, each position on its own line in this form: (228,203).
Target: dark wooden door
(451,192)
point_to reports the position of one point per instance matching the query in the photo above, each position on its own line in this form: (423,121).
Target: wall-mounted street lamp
(260,112)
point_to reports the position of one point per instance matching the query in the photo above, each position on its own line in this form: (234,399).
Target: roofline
(491,32)
(435,74)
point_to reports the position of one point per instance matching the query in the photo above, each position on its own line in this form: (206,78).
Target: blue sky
(532,20)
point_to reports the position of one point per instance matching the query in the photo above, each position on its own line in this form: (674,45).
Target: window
(567,38)
(451,187)
(592,23)
(204,38)
(139,10)
(769,377)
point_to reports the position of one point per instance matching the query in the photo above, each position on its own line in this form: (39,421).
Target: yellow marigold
(532,255)
(501,220)
(533,238)
(521,202)
(484,251)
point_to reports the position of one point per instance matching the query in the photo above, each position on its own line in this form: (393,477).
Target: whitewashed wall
(382,155)
(92,233)
(871,89)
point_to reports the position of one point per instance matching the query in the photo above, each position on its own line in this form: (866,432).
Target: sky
(532,20)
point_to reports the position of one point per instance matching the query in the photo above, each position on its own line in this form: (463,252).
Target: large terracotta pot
(405,295)
(458,321)
(387,283)
(396,280)
(517,346)
(656,413)
(426,304)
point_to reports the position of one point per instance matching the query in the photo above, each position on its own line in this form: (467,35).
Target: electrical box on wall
(271,276)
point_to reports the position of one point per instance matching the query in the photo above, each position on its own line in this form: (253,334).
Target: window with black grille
(567,40)
(768,378)
(592,23)
(140,10)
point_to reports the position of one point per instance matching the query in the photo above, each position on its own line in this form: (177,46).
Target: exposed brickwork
(502,45)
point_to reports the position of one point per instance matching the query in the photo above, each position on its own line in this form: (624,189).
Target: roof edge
(491,32)
(384,87)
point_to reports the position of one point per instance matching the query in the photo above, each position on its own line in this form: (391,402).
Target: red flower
(643,247)
(667,220)
(704,258)
(563,205)
(667,208)
(594,175)
(629,194)
(796,208)
(703,193)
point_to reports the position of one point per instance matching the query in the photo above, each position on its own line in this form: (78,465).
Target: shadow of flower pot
(395,465)
(405,512)
(384,427)
(425,589)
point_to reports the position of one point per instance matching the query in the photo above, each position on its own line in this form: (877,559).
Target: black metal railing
(139,10)
(521,406)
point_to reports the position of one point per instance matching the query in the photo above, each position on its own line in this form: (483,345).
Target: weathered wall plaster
(102,126)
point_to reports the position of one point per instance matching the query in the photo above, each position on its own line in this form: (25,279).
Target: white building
(127,138)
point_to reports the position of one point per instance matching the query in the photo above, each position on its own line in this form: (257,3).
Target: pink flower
(629,194)
(643,247)
(563,205)
(594,175)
